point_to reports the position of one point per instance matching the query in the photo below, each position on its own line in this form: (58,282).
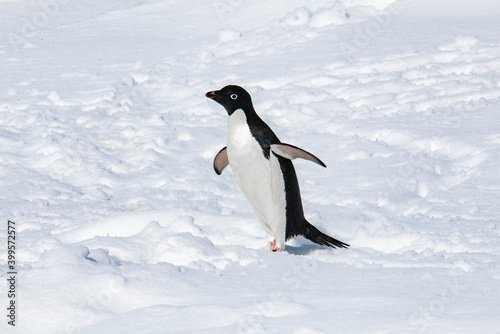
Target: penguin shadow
(303,249)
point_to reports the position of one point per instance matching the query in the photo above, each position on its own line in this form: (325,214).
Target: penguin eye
(234,96)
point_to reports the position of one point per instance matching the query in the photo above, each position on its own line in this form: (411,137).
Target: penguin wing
(221,161)
(291,152)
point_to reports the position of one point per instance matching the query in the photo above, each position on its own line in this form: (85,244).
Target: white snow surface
(107,143)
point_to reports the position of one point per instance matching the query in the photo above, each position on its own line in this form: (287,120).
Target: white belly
(260,179)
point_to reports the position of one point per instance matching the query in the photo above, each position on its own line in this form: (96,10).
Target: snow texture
(107,143)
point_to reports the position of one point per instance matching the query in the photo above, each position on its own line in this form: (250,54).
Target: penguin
(263,169)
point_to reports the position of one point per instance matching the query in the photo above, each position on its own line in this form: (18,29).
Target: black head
(232,98)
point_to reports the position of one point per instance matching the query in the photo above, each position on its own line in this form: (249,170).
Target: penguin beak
(211,94)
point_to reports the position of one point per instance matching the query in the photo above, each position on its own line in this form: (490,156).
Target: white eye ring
(234,96)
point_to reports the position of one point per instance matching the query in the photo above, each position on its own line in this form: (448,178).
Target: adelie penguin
(263,168)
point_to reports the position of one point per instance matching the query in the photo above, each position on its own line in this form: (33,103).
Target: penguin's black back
(296,223)
(294,210)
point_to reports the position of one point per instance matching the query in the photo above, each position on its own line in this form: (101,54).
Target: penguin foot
(273,247)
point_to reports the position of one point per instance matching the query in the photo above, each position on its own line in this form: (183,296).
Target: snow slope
(107,142)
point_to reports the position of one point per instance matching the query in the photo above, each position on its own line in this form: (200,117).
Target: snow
(107,143)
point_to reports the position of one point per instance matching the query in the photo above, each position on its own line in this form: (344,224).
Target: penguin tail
(316,236)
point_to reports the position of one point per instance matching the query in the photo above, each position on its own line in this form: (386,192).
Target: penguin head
(232,98)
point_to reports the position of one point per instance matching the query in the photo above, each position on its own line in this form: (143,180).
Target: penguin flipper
(221,161)
(291,152)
